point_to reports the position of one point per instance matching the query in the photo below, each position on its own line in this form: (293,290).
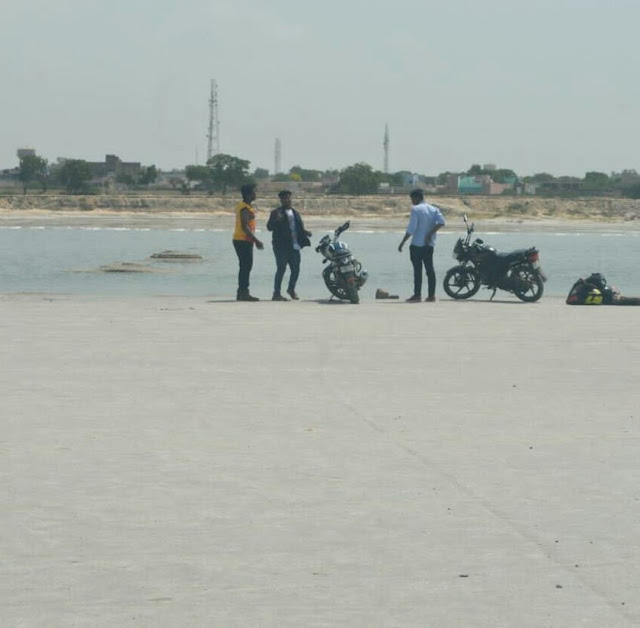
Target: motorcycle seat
(512,255)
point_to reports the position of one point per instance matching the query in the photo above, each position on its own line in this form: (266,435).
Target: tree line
(73,175)
(224,172)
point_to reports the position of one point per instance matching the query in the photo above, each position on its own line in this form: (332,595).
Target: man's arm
(273,217)
(406,236)
(307,233)
(411,227)
(430,234)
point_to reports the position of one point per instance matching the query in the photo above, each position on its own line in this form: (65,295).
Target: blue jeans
(286,257)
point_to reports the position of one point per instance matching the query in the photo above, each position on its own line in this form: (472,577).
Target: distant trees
(144,177)
(499,175)
(148,175)
(228,171)
(201,174)
(359,179)
(596,181)
(221,172)
(224,171)
(306,174)
(33,168)
(297,173)
(74,174)
(125,178)
(540,177)
(396,178)
(443,177)
(633,191)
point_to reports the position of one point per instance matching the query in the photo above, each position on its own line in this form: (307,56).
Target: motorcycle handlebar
(342,228)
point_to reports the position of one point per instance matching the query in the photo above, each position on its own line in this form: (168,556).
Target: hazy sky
(538,85)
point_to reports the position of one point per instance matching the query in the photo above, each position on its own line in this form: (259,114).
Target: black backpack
(593,290)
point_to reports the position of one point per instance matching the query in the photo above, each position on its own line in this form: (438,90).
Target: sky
(535,86)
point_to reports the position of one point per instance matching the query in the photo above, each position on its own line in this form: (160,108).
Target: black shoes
(293,295)
(245,296)
(278,297)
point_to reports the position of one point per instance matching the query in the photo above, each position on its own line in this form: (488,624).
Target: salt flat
(185,462)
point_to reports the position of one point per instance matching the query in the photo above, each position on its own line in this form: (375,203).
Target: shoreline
(222,220)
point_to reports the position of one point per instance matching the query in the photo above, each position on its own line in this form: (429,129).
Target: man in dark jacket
(289,237)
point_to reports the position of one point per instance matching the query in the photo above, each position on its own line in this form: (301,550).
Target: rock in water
(176,255)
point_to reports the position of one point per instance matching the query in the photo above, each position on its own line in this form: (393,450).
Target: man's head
(248,191)
(417,196)
(285,198)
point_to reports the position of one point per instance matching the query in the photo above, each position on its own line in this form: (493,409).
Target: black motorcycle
(517,272)
(344,276)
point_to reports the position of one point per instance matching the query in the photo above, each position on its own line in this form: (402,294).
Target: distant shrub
(632,191)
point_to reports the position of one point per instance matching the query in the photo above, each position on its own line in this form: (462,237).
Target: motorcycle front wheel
(461,282)
(339,288)
(530,284)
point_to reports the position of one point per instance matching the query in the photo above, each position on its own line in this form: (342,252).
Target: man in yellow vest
(244,238)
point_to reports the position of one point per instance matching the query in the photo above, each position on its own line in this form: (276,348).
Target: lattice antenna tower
(386,148)
(213,136)
(278,157)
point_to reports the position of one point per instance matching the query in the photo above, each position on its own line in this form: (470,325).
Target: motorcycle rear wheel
(352,291)
(461,282)
(532,283)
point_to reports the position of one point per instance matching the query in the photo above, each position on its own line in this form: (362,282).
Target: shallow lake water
(68,260)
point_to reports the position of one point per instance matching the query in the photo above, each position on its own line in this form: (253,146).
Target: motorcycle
(344,276)
(517,272)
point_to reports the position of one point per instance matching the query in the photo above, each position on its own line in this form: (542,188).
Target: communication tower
(386,148)
(278,157)
(213,136)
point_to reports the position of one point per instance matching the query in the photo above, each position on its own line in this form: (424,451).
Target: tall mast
(278,157)
(213,136)
(386,148)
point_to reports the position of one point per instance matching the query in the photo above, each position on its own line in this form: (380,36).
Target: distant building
(479,184)
(473,185)
(114,166)
(111,167)
(562,184)
(9,177)
(25,152)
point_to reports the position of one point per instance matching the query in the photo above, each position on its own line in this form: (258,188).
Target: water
(67,260)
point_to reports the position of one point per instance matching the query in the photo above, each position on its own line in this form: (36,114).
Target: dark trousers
(244,251)
(422,255)
(283,257)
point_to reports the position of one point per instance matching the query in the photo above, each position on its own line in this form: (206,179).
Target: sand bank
(368,212)
(178,461)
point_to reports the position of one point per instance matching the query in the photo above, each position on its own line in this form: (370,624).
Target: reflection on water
(71,260)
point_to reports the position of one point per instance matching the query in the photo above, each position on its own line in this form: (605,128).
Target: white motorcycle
(344,276)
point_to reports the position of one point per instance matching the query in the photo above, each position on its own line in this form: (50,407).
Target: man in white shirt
(424,222)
